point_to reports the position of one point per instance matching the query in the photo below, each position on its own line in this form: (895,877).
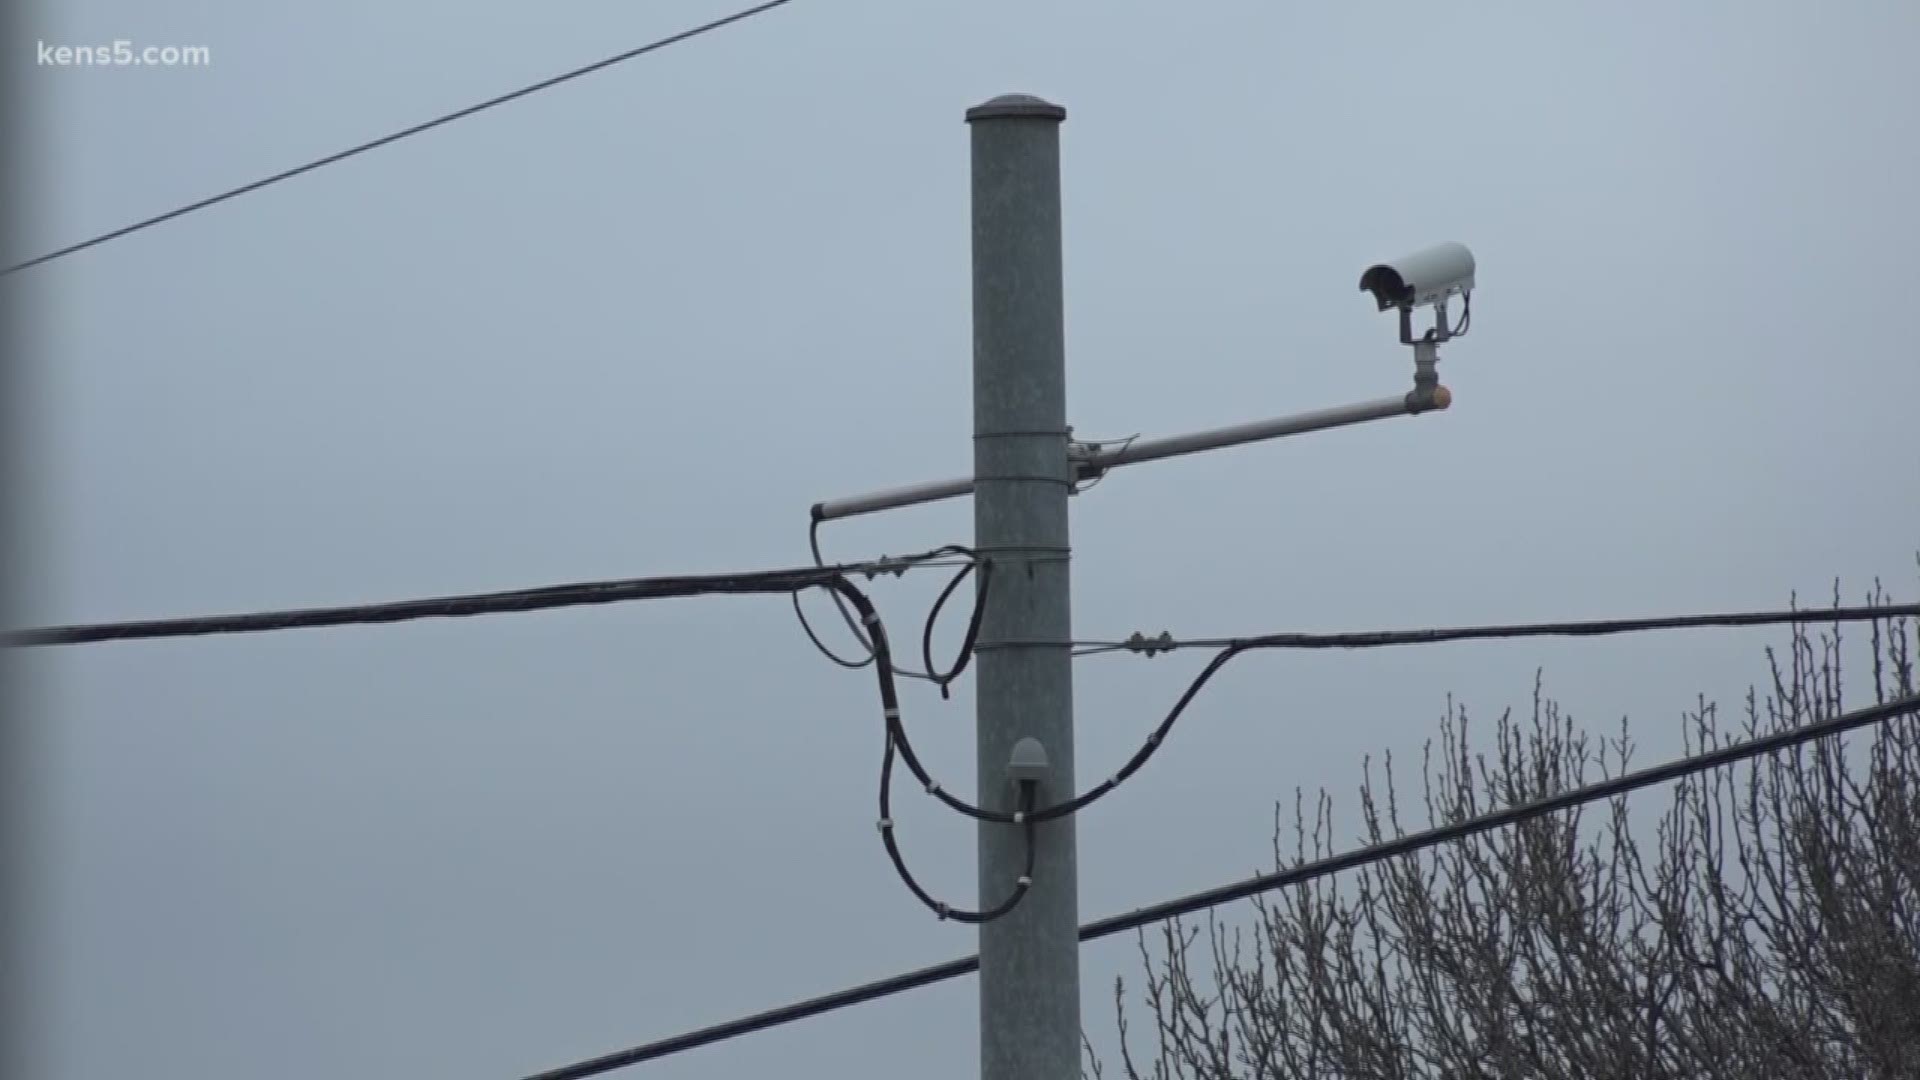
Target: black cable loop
(807,628)
(943,679)
(813,544)
(890,706)
(881,654)
(859,635)
(1021,886)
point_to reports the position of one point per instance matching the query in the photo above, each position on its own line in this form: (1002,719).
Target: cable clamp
(887,564)
(941,909)
(1154,738)
(1082,472)
(933,787)
(871,618)
(1019,817)
(885,824)
(1148,646)
(1024,881)
(893,713)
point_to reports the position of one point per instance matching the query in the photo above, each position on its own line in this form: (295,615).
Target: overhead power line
(404,133)
(538,599)
(834,579)
(1232,647)
(1296,875)
(1371,639)
(898,740)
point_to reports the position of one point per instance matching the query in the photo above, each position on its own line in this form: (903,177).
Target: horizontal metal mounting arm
(1257,431)
(1422,399)
(911,495)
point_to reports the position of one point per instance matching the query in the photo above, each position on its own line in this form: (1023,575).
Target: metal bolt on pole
(1029,959)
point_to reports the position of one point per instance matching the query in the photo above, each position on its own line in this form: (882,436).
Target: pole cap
(1016,106)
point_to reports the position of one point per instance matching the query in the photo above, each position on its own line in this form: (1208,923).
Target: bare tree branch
(1767,923)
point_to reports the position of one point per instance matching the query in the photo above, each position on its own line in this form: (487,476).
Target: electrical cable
(384,140)
(853,627)
(1241,890)
(1466,316)
(941,908)
(939,679)
(1084,799)
(876,634)
(943,679)
(832,578)
(807,627)
(536,599)
(1371,639)
(1232,647)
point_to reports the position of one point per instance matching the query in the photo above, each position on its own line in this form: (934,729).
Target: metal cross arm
(1091,461)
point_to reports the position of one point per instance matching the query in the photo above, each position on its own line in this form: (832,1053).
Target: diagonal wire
(428,125)
(1241,890)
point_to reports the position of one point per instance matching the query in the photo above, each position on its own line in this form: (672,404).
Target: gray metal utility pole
(1025,465)
(1029,959)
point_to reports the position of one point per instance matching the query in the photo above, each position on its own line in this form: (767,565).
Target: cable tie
(871,618)
(885,824)
(1154,739)
(1019,817)
(1024,881)
(1023,433)
(941,909)
(933,787)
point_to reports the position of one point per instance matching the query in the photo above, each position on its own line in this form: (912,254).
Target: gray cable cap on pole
(1028,761)
(1016,105)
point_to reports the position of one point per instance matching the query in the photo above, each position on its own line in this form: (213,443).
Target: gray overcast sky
(637,324)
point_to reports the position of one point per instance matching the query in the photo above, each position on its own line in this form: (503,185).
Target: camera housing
(1428,276)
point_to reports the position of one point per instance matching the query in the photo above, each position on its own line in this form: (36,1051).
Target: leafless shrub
(1767,925)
